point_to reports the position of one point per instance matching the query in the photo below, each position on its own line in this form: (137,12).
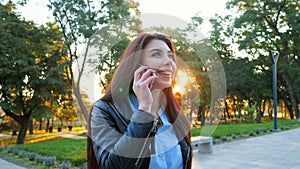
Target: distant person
(138,123)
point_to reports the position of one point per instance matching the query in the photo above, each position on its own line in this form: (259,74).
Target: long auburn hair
(121,86)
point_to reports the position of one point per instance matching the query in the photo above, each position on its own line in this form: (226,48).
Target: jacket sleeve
(114,149)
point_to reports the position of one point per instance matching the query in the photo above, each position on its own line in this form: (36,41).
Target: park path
(8,165)
(68,135)
(4,135)
(280,150)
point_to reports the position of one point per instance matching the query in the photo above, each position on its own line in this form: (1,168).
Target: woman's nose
(167,59)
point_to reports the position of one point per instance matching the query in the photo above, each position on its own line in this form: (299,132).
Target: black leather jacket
(120,143)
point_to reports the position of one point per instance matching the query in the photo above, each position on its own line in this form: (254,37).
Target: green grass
(63,149)
(229,129)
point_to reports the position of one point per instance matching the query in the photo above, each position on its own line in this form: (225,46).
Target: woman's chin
(161,86)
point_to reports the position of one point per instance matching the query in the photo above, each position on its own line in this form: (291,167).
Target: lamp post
(274,57)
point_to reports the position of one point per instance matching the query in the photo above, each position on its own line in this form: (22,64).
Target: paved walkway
(8,165)
(274,151)
(68,135)
(4,135)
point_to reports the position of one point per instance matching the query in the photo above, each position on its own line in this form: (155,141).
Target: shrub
(11,149)
(251,133)
(285,128)
(66,164)
(1,148)
(223,138)
(16,152)
(234,136)
(242,135)
(22,154)
(49,161)
(31,156)
(39,159)
(264,130)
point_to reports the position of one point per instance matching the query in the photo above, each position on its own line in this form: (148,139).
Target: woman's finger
(138,73)
(147,74)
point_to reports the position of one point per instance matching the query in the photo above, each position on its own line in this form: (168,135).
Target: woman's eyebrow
(160,50)
(155,49)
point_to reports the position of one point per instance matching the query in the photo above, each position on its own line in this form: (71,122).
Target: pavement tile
(280,150)
(8,165)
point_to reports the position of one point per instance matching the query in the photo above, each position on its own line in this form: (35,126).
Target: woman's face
(158,56)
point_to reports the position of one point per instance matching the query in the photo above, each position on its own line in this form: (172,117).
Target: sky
(183,9)
(180,10)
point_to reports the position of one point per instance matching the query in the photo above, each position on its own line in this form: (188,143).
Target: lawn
(229,129)
(63,149)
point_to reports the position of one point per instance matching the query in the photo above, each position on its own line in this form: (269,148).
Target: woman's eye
(155,54)
(171,56)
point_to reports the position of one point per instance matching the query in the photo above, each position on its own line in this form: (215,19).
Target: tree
(67,113)
(31,67)
(272,25)
(78,21)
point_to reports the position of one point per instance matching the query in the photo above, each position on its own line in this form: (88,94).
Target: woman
(138,122)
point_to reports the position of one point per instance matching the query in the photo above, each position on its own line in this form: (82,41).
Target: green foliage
(79,21)
(249,117)
(262,26)
(31,67)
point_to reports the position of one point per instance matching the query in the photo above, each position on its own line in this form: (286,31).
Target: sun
(181,81)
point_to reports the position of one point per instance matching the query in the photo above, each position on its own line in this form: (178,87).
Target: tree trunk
(80,102)
(258,109)
(227,110)
(234,107)
(270,110)
(23,128)
(289,107)
(31,126)
(264,108)
(201,114)
(291,95)
(297,110)
(40,128)
(47,125)
(52,123)
(224,116)
(23,122)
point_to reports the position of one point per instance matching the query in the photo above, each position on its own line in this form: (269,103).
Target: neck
(156,94)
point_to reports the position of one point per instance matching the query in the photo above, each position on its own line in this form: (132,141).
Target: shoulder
(101,106)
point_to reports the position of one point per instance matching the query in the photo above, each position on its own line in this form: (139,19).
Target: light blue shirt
(168,152)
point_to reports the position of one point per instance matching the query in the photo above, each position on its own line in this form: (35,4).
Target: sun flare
(181,81)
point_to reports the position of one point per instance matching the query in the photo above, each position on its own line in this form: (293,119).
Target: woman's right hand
(142,84)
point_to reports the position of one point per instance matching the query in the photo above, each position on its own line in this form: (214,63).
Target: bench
(204,144)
